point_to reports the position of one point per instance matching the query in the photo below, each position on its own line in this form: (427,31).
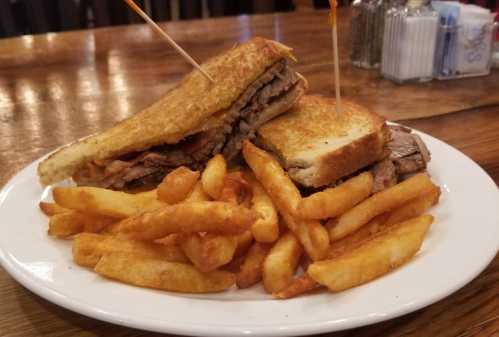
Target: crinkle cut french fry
(312,235)
(274,180)
(250,272)
(376,257)
(281,262)
(379,203)
(177,185)
(208,252)
(67,224)
(213,176)
(266,228)
(189,217)
(299,286)
(100,201)
(88,248)
(334,201)
(51,208)
(164,275)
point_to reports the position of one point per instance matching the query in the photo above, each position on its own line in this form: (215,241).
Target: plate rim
(311,327)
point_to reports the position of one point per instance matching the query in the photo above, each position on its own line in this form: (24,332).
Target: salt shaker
(495,55)
(367,32)
(409,42)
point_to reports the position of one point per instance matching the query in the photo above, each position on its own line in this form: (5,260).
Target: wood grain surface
(56,88)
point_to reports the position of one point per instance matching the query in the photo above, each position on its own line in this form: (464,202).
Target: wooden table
(56,88)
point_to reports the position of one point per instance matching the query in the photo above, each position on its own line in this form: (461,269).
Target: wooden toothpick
(334,32)
(168,38)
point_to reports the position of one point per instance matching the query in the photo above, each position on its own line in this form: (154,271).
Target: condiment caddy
(419,40)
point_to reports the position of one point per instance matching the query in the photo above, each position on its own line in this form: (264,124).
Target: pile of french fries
(203,232)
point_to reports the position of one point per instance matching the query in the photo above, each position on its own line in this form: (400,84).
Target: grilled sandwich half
(195,120)
(318,147)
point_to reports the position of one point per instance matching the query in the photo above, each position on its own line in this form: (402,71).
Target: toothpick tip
(167,37)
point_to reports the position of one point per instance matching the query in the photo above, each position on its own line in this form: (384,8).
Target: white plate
(460,244)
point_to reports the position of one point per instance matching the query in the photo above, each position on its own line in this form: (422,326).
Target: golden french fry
(89,248)
(414,207)
(100,201)
(170,239)
(244,242)
(164,275)
(236,189)
(385,252)
(332,202)
(213,177)
(64,225)
(379,203)
(208,252)
(312,235)
(51,208)
(234,265)
(281,262)
(305,262)
(251,270)
(198,194)
(189,217)
(212,251)
(354,240)
(266,228)
(177,185)
(299,286)
(272,177)
(383,222)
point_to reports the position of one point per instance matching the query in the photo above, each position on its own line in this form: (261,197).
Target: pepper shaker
(367,32)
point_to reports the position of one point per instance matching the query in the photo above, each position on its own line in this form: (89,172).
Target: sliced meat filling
(385,175)
(408,151)
(408,155)
(149,167)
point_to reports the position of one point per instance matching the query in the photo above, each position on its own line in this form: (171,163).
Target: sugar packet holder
(464,53)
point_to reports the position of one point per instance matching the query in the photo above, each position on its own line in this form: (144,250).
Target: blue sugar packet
(445,57)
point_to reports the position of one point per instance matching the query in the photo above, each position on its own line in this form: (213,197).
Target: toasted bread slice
(194,105)
(317,146)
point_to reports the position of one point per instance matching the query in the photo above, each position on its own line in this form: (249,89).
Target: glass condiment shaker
(495,54)
(409,42)
(367,32)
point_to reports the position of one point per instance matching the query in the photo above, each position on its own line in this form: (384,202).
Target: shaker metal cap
(416,3)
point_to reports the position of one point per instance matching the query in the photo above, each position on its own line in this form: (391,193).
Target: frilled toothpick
(334,32)
(168,38)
